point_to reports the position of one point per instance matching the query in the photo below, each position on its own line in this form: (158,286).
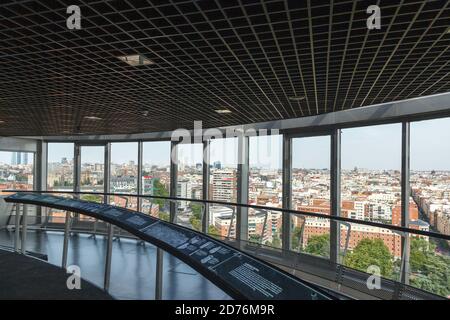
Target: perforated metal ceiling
(247,56)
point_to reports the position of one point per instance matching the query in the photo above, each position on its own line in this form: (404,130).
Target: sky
(374,147)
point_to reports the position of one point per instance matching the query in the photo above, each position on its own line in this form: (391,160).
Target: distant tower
(16,158)
(25,158)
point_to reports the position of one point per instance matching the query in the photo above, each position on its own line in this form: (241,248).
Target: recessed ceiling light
(136,60)
(296,98)
(93,118)
(1,121)
(223,111)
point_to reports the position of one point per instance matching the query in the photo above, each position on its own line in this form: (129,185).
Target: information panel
(237,273)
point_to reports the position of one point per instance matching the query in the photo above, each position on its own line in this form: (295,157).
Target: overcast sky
(374,147)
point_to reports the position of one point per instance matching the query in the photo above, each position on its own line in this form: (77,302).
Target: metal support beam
(23,243)
(140,171)
(287,193)
(205,189)
(335,194)
(66,240)
(159,274)
(173,178)
(40,174)
(109,239)
(406,190)
(242,188)
(107,172)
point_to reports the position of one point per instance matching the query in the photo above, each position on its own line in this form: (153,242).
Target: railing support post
(109,243)
(23,244)
(159,274)
(17,228)
(66,240)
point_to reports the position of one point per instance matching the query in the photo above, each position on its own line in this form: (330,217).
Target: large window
(190,184)
(371,191)
(60,173)
(16,170)
(310,185)
(265,188)
(223,166)
(430,204)
(156,178)
(124,173)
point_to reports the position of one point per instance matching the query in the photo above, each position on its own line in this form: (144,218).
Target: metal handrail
(258,207)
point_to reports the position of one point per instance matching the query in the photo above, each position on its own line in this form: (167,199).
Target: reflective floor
(133,266)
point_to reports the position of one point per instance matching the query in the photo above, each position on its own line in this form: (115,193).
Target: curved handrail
(219,262)
(258,207)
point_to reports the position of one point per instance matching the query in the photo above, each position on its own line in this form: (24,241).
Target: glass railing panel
(222,221)
(310,235)
(158,208)
(370,249)
(264,227)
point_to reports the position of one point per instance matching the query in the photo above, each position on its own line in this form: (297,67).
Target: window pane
(16,170)
(430,189)
(124,173)
(60,166)
(190,184)
(92,173)
(223,186)
(371,191)
(156,178)
(310,184)
(265,188)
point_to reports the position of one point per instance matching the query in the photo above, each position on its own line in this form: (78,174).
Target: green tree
(196,210)
(212,230)
(295,238)
(371,252)
(160,190)
(319,245)
(254,238)
(429,271)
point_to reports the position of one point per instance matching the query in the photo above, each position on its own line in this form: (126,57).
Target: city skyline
(384,140)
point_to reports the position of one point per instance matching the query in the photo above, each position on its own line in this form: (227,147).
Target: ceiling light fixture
(93,118)
(296,98)
(136,60)
(1,121)
(222,111)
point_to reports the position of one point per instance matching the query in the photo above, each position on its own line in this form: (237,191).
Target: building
(224,185)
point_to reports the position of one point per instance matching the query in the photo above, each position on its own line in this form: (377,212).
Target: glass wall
(156,178)
(265,188)
(371,191)
(310,187)
(223,167)
(190,184)
(430,204)
(124,173)
(16,170)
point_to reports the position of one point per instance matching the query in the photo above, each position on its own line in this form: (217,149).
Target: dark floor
(133,266)
(23,277)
